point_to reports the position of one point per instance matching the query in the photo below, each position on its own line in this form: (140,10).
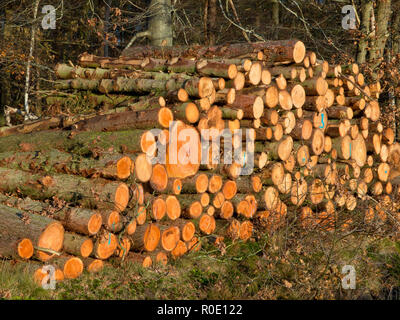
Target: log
(237,83)
(70,188)
(110,167)
(180,249)
(274,51)
(153,118)
(316,86)
(77,245)
(252,106)
(170,236)
(92,265)
(317,142)
(184,155)
(143,260)
(72,267)
(146,237)
(272,174)
(187,228)
(276,150)
(79,220)
(43,233)
(302,130)
(216,69)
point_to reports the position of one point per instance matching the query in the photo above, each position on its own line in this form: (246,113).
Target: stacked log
(145,179)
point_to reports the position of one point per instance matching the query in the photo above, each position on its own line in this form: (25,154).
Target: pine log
(43,232)
(66,187)
(274,51)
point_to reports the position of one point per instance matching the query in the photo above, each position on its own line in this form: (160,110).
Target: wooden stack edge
(76,197)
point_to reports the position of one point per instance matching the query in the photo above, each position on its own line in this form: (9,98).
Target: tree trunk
(275,12)
(396,33)
(70,188)
(274,51)
(42,231)
(212,22)
(160,24)
(382,22)
(30,58)
(366,9)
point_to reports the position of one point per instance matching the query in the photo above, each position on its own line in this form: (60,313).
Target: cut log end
(73,268)
(195,210)
(179,250)
(202,183)
(86,248)
(229,189)
(121,198)
(25,248)
(159,208)
(207,224)
(152,237)
(188,231)
(124,168)
(170,238)
(192,113)
(162,258)
(299,52)
(143,168)
(159,178)
(182,95)
(106,246)
(215,183)
(148,143)
(205,87)
(298,95)
(94,223)
(227,210)
(95,266)
(246,230)
(165,117)
(173,207)
(51,238)
(285,148)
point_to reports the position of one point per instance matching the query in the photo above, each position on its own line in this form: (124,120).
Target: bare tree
(160,24)
(275,12)
(366,10)
(28,116)
(384,13)
(212,21)
(396,32)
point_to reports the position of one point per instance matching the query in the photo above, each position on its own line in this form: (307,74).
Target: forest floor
(281,266)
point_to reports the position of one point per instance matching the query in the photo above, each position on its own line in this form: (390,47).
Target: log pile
(138,179)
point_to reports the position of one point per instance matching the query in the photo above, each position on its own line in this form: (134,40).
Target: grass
(274,267)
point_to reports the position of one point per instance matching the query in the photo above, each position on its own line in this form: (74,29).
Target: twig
(48,251)
(341,75)
(138,35)
(237,19)
(239,26)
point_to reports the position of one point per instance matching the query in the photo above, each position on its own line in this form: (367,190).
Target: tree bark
(160,24)
(275,12)
(16,224)
(274,51)
(366,9)
(69,188)
(30,58)
(212,22)
(382,22)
